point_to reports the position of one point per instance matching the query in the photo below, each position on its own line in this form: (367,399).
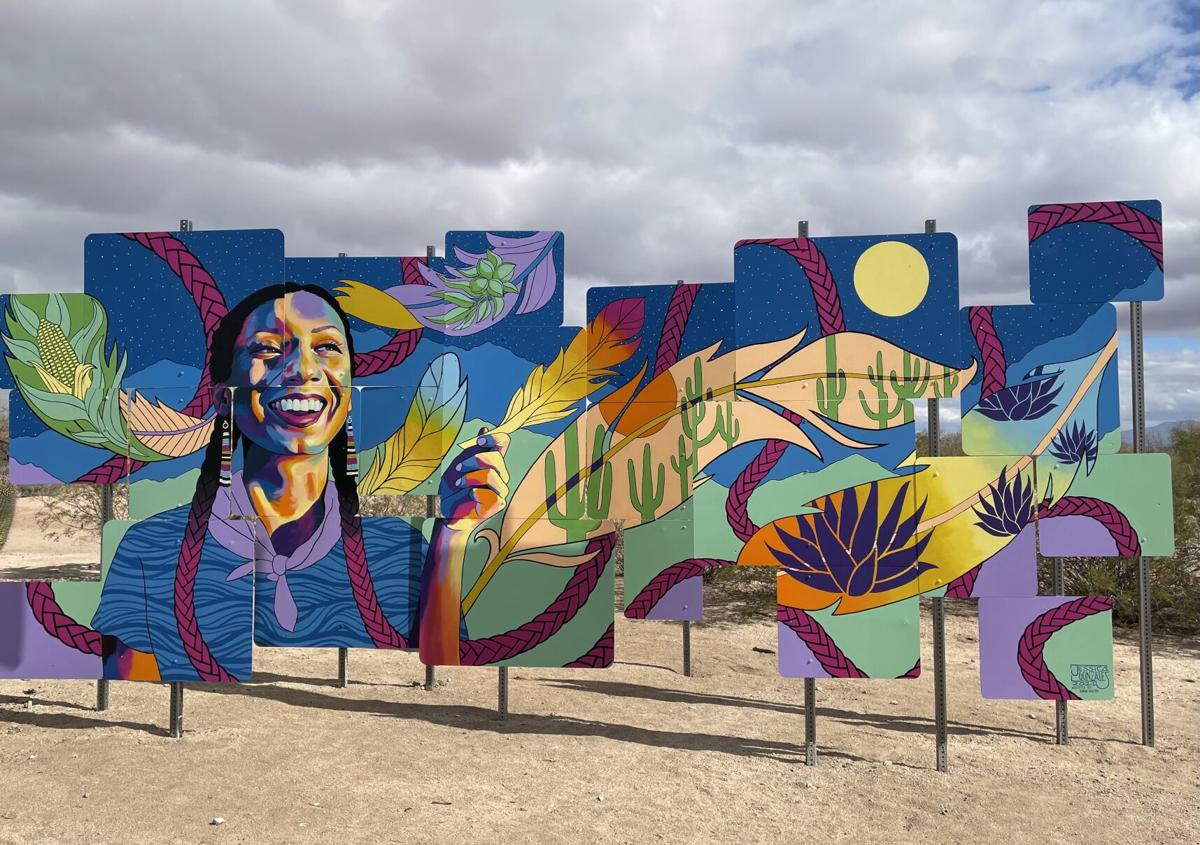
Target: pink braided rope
(736,512)
(382,634)
(186,569)
(563,609)
(409,272)
(663,582)
(1119,527)
(205,293)
(683,297)
(832,320)
(991,351)
(1033,643)
(1137,224)
(832,659)
(820,279)
(962,586)
(50,615)
(598,656)
(387,356)
(829,314)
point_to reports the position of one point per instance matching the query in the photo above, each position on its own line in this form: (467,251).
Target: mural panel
(270,416)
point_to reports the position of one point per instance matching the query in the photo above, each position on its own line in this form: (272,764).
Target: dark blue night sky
(1094,262)
(774,297)
(152,318)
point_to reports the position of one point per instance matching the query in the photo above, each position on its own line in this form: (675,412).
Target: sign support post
(176,707)
(106,514)
(939,606)
(1146,639)
(810,684)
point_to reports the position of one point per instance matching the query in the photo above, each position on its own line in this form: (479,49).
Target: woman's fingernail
(480,441)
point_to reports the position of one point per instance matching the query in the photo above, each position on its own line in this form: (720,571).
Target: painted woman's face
(291,371)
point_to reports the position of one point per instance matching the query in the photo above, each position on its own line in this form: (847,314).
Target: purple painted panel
(1076,536)
(683,602)
(1012,571)
(796,659)
(27,651)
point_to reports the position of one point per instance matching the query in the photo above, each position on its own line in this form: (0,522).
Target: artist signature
(1090,677)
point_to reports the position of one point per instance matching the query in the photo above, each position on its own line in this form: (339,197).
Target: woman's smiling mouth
(298,410)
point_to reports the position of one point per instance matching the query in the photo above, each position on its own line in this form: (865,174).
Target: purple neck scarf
(236,533)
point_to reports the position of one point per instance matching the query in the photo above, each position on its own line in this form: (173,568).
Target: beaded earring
(351,451)
(226,475)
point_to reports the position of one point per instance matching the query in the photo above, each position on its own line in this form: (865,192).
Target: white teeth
(300,405)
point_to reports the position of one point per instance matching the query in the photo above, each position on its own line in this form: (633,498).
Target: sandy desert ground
(28,554)
(636,753)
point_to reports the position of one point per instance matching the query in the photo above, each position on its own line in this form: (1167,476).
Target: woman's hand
(475,486)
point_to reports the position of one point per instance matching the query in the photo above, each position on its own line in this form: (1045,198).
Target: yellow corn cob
(62,371)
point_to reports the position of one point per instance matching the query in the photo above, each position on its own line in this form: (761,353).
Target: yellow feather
(415,450)
(583,366)
(373,305)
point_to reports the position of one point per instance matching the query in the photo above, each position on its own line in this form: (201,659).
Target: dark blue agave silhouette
(1009,507)
(846,548)
(1075,444)
(1028,400)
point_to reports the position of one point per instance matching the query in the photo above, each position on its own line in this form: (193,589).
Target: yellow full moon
(891,278)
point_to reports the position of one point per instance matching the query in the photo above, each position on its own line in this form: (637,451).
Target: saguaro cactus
(647,501)
(681,463)
(945,386)
(912,384)
(727,426)
(831,390)
(580,509)
(885,411)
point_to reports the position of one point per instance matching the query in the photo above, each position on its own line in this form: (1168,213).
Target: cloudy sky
(655,134)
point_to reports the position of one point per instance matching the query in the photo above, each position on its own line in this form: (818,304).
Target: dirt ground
(633,754)
(29,554)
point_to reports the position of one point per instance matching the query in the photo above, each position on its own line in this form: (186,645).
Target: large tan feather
(161,428)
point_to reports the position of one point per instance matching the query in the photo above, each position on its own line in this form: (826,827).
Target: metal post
(176,709)
(343,667)
(431,504)
(177,689)
(1146,640)
(502,690)
(1062,735)
(810,722)
(687,649)
(942,737)
(106,514)
(810,684)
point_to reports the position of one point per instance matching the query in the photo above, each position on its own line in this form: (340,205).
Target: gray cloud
(654,134)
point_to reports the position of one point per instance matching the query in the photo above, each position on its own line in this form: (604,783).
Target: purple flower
(847,548)
(1028,400)
(1009,508)
(1075,444)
